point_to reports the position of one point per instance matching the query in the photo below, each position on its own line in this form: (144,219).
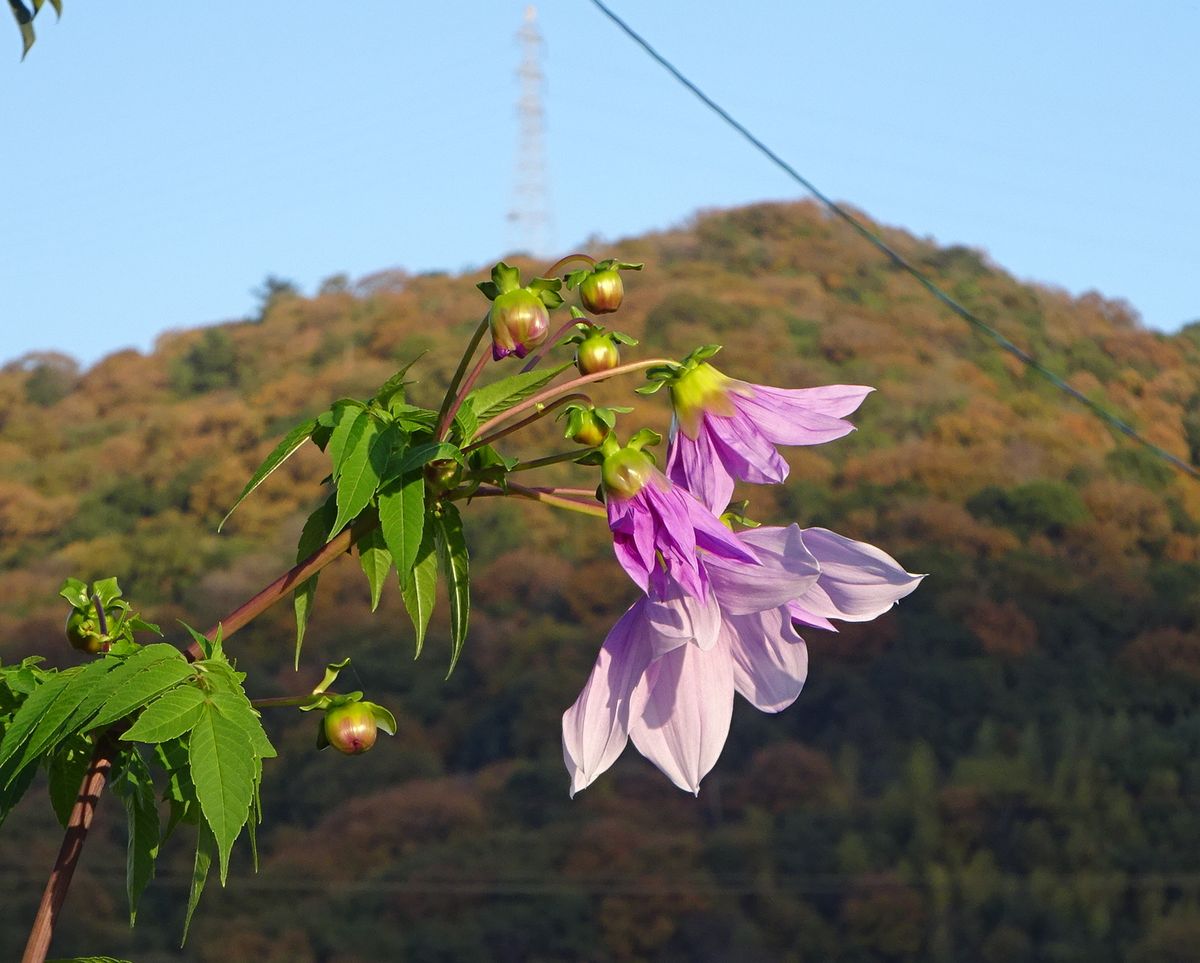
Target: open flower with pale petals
(725,431)
(667,672)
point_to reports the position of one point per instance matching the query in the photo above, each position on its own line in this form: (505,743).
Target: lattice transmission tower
(531,226)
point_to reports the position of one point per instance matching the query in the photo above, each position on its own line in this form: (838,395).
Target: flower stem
(447,420)
(540,400)
(283,702)
(546,498)
(536,416)
(548,344)
(564,261)
(462,368)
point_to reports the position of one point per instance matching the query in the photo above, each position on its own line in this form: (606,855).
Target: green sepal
(383,718)
(735,514)
(644,437)
(75,592)
(107,591)
(331,674)
(505,278)
(576,278)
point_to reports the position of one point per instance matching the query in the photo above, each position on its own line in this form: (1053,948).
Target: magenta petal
(746,453)
(770,661)
(595,729)
(858,581)
(694,464)
(633,538)
(786,571)
(681,710)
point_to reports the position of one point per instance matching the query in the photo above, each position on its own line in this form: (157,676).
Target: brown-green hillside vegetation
(1005,768)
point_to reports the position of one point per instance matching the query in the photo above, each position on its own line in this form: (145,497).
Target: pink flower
(667,671)
(726,431)
(657,527)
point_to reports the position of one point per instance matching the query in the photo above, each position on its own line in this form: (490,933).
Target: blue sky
(161,159)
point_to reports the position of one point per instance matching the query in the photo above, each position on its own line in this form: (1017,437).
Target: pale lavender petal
(800,416)
(770,661)
(676,617)
(800,614)
(787,570)
(681,710)
(858,581)
(694,464)
(712,535)
(745,452)
(595,729)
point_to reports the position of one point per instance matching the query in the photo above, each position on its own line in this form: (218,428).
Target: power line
(1112,420)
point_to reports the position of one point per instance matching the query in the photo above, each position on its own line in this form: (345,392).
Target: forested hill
(1005,768)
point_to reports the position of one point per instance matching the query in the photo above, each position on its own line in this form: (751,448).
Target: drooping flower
(667,672)
(726,430)
(658,526)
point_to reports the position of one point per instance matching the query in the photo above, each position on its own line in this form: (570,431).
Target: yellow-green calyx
(626,471)
(703,389)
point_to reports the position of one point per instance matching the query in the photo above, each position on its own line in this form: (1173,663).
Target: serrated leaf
(141,688)
(126,669)
(345,415)
(222,765)
(376,562)
(291,443)
(134,784)
(167,717)
(180,793)
(421,591)
(68,766)
(312,538)
(394,386)
(36,705)
(206,849)
(452,551)
(59,721)
(11,794)
(402,521)
(420,455)
(362,469)
(235,707)
(491,400)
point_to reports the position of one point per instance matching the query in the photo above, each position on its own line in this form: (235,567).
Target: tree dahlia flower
(657,526)
(726,431)
(667,671)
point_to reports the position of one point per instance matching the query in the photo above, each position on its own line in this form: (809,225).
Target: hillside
(1005,768)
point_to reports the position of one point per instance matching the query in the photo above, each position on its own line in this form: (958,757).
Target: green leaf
(107,590)
(376,562)
(420,455)
(11,794)
(362,468)
(491,400)
(142,687)
(36,705)
(25,23)
(68,765)
(402,521)
(312,537)
(222,764)
(452,551)
(134,784)
(180,793)
(168,717)
(392,391)
(421,591)
(206,849)
(235,707)
(126,669)
(346,414)
(75,592)
(282,452)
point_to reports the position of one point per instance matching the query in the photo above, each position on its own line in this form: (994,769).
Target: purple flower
(667,672)
(657,527)
(726,431)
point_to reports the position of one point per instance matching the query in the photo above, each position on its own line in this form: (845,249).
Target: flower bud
(602,291)
(83,633)
(519,322)
(442,475)
(589,430)
(626,471)
(597,352)
(351,728)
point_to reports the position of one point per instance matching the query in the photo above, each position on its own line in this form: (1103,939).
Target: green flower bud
(519,322)
(602,291)
(442,475)
(83,633)
(597,352)
(626,471)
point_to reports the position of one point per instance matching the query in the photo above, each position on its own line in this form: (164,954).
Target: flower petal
(681,709)
(694,464)
(595,729)
(800,416)
(632,528)
(770,661)
(800,614)
(858,581)
(676,617)
(787,570)
(746,453)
